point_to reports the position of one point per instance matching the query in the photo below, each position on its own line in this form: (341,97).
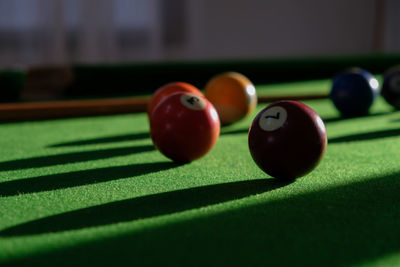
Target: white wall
(392,29)
(65,31)
(257,28)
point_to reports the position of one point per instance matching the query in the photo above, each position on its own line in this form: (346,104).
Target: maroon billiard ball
(287,139)
(184,126)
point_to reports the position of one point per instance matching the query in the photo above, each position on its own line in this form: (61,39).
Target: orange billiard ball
(169,89)
(184,126)
(233,95)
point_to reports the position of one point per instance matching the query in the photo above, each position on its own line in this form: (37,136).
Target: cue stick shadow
(343,225)
(365,136)
(343,118)
(79,178)
(395,120)
(325,120)
(348,138)
(103,140)
(72,157)
(145,207)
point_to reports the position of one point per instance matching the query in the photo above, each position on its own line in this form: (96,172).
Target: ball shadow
(72,157)
(371,135)
(345,225)
(145,207)
(236,131)
(103,140)
(79,178)
(344,118)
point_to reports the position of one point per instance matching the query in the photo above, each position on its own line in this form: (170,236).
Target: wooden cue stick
(80,108)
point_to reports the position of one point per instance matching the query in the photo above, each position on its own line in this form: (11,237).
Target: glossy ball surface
(233,95)
(169,89)
(287,139)
(184,126)
(391,87)
(354,91)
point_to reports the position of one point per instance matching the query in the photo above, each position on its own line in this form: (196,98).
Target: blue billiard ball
(354,91)
(391,87)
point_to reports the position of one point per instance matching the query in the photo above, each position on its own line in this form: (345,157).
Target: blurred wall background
(36,32)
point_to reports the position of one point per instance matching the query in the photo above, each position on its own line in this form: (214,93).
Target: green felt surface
(93,191)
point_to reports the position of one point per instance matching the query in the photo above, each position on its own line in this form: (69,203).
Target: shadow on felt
(104,140)
(371,135)
(345,225)
(145,207)
(344,118)
(72,157)
(79,178)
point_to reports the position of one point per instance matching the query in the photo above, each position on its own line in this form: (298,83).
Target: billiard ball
(169,89)
(184,126)
(391,87)
(233,95)
(287,139)
(354,91)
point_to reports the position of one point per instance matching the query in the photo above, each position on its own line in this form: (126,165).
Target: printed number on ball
(273,118)
(193,102)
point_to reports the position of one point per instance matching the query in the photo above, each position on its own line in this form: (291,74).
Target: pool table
(93,190)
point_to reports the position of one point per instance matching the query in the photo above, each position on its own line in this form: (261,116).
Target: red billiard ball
(287,139)
(169,89)
(184,126)
(233,95)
